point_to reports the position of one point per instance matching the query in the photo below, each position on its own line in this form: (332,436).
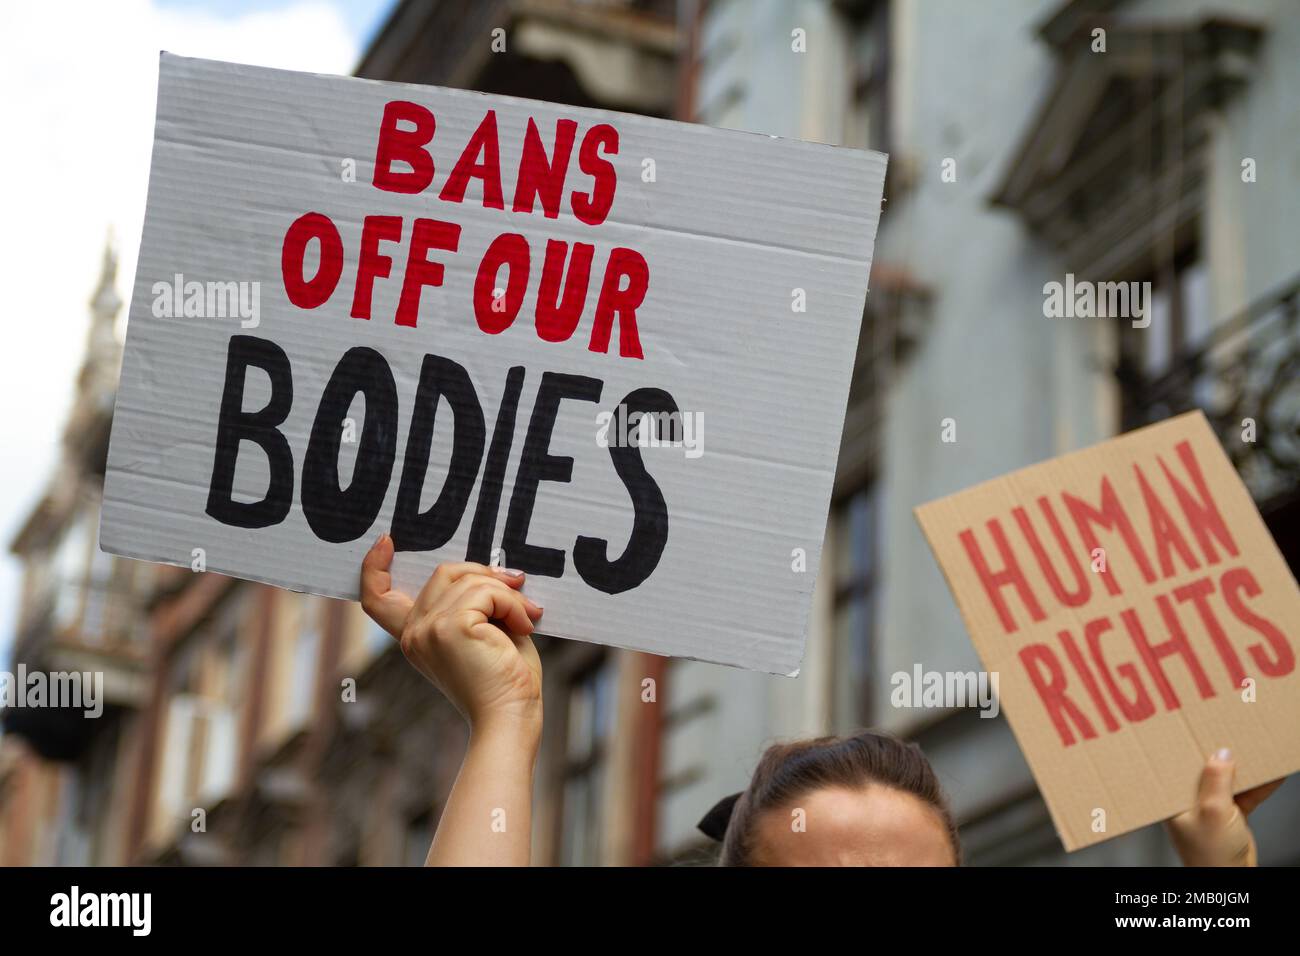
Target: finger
(515,579)
(509,576)
(443,577)
(386,607)
(1214,792)
(443,598)
(1248,800)
(496,602)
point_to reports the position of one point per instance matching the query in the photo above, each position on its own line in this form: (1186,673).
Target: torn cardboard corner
(364,307)
(1140,617)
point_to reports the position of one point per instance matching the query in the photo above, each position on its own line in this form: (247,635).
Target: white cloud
(76,125)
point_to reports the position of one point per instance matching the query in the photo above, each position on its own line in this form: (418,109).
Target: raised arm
(468,631)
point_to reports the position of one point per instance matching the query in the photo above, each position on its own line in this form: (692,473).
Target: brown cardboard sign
(1139,616)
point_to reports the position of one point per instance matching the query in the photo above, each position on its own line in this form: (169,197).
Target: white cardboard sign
(608,350)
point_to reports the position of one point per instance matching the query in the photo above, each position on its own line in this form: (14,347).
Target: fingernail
(511,572)
(1223,754)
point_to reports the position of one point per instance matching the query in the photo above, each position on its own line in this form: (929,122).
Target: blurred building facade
(253,725)
(60,772)
(1020,151)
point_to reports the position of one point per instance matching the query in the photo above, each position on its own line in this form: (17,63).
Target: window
(180,763)
(1180,320)
(1180,315)
(97,620)
(201,740)
(590,722)
(226,659)
(306,653)
(855,573)
(70,563)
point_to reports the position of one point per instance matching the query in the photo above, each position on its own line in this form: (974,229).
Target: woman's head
(864,800)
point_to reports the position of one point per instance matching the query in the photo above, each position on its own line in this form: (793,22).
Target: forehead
(834,826)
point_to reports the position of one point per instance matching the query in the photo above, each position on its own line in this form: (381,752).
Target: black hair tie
(714,823)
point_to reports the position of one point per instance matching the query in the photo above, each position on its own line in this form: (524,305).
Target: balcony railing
(104,616)
(104,635)
(1245,376)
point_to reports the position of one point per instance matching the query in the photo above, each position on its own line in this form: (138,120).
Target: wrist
(520,727)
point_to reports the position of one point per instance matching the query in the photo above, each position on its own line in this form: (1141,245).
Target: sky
(76,131)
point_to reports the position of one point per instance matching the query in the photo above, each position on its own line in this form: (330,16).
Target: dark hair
(789,771)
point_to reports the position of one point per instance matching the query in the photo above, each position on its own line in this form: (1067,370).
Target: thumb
(386,607)
(1214,792)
